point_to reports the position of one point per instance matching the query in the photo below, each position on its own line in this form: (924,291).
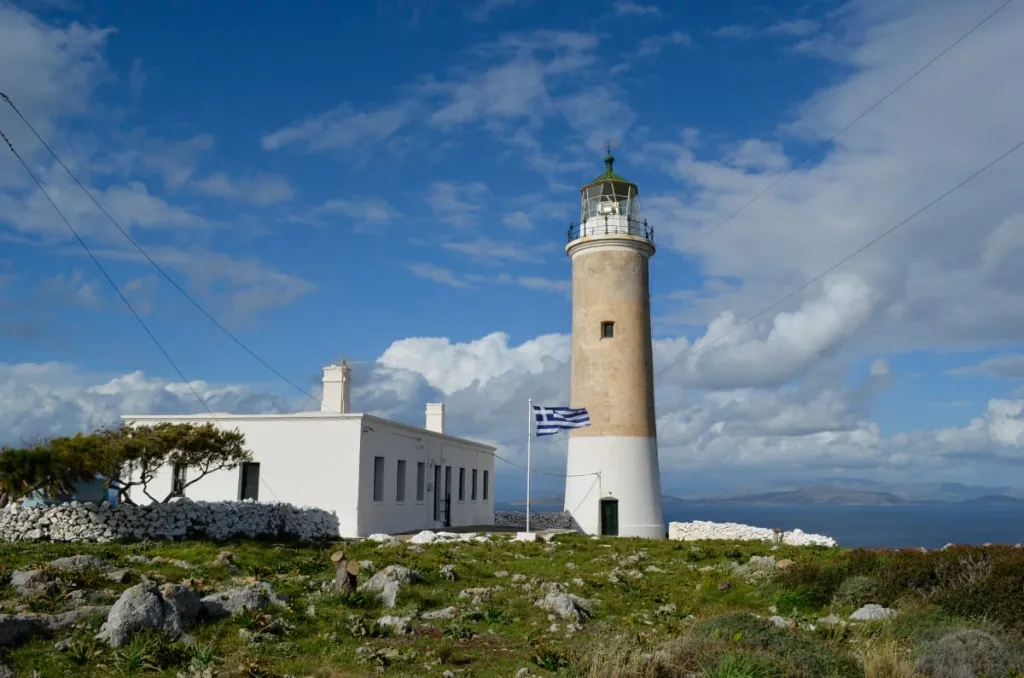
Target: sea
(906,526)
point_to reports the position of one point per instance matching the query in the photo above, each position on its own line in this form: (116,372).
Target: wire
(853,254)
(106,275)
(853,122)
(155,265)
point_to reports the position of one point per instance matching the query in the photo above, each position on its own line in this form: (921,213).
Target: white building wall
(326,460)
(394,442)
(307,459)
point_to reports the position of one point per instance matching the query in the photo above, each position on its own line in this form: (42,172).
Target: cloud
(437,274)
(1006,366)
(933,283)
(488,249)
(485,384)
(340,128)
(518,220)
(366,211)
(261,189)
(796,28)
(457,204)
(486,8)
(626,8)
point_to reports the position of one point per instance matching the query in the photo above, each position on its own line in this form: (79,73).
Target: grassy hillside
(636,608)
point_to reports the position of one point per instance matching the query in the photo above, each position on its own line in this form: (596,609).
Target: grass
(672,609)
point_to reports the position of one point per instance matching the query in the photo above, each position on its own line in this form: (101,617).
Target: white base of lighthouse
(629,483)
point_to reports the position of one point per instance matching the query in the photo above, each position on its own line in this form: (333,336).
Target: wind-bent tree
(125,457)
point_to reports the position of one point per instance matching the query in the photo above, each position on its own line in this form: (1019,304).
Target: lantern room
(610,205)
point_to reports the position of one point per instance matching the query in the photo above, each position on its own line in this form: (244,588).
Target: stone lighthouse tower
(613,485)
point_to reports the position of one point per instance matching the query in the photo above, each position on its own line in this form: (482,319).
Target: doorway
(437,494)
(609,517)
(447,496)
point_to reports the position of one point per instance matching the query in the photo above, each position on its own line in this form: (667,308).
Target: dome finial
(609,159)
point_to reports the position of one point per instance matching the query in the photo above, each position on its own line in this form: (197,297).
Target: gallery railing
(614,225)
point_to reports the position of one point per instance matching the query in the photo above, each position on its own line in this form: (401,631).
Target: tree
(125,457)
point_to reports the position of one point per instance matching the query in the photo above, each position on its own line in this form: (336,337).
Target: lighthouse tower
(612,485)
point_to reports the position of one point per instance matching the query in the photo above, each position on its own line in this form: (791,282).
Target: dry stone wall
(180,519)
(544,520)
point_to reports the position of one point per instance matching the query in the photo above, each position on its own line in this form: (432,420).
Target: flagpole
(529,457)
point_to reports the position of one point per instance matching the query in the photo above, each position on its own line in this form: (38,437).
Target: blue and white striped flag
(551,420)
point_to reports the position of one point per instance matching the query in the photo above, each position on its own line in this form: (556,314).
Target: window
(607,329)
(400,489)
(462,484)
(487,491)
(178,478)
(378,478)
(249,481)
(421,480)
(472,487)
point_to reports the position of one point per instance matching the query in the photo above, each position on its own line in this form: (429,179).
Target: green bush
(801,654)
(857,590)
(965,653)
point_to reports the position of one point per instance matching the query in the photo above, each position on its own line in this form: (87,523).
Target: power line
(704,236)
(155,265)
(141,251)
(110,280)
(853,254)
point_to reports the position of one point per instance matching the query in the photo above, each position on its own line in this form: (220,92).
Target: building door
(437,493)
(447,496)
(609,517)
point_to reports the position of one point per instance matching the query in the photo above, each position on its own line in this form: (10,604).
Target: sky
(392,183)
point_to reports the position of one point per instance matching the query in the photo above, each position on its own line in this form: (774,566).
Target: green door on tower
(609,517)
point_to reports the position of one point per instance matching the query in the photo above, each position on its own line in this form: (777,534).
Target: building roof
(305,415)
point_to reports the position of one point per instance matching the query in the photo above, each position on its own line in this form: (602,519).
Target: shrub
(857,590)
(887,659)
(965,653)
(801,654)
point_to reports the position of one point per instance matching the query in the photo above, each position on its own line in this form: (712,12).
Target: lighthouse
(613,486)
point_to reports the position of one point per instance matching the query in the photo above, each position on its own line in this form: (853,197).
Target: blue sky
(392,182)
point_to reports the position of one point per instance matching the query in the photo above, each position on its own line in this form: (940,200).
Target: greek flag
(551,420)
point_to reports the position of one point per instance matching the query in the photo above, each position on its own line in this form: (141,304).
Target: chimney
(337,396)
(435,417)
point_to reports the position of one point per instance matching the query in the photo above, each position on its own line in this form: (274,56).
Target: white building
(613,484)
(377,475)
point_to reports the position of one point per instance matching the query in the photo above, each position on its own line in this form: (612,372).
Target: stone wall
(78,522)
(538,521)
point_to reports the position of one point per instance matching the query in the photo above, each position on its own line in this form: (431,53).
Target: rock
(872,612)
(6,672)
(33,582)
(781,622)
(226,559)
(830,620)
(448,573)
(119,576)
(253,597)
(144,606)
(15,628)
(523,672)
(785,564)
(387,582)
(725,586)
(181,606)
(566,605)
(444,613)
(78,563)
(399,625)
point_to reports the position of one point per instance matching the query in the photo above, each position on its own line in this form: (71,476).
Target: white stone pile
(702,529)
(180,519)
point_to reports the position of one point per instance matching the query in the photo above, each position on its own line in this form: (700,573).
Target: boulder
(387,582)
(258,596)
(170,608)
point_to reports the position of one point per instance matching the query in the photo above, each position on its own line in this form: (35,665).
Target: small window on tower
(607,329)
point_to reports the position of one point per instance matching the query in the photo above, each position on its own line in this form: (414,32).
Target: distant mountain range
(832,493)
